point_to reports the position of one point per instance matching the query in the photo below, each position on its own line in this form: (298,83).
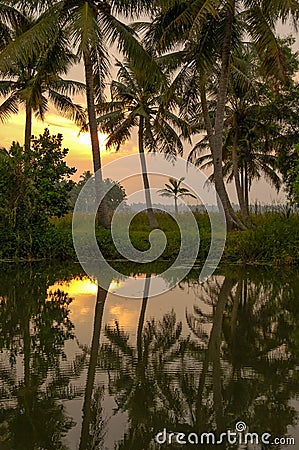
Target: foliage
(113,198)
(34,186)
(273,239)
(174,190)
(289,165)
(135,96)
(40,79)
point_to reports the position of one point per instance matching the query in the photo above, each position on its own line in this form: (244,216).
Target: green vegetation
(34,186)
(273,239)
(212,69)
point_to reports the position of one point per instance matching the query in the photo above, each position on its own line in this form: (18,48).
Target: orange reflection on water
(125,313)
(83,292)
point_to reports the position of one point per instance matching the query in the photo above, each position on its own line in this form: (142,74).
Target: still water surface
(80,369)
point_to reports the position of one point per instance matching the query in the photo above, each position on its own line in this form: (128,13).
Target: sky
(78,144)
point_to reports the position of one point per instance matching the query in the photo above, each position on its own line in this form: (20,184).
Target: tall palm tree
(212,29)
(91,26)
(137,101)
(248,129)
(252,164)
(174,190)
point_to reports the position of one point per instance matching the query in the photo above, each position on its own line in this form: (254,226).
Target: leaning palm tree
(253,163)
(248,130)
(174,190)
(212,29)
(138,102)
(40,81)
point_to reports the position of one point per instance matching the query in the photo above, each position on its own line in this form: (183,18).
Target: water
(83,370)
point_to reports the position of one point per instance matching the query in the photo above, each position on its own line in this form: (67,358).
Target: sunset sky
(79,144)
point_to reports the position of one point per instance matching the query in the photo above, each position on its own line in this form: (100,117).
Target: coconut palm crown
(174,190)
(39,81)
(138,102)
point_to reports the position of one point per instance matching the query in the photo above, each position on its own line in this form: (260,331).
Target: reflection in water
(92,425)
(33,330)
(233,355)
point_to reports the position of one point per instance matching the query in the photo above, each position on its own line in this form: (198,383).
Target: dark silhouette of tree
(34,328)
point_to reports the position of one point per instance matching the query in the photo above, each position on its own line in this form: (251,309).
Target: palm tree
(40,80)
(211,30)
(137,101)
(85,438)
(90,26)
(248,133)
(35,325)
(174,190)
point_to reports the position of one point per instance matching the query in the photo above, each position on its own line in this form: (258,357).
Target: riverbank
(273,239)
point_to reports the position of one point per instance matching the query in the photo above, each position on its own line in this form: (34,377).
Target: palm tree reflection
(34,327)
(92,431)
(238,363)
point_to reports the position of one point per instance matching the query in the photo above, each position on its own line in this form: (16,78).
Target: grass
(273,239)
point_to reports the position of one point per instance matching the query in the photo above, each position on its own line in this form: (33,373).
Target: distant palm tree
(175,190)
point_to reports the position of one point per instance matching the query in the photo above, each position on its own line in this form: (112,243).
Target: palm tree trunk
(142,317)
(240,192)
(28,126)
(176,204)
(150,213)
(216,135)
(242,180)
(98,317)
(231,217)
(213,356)
(246,187)
(103,216)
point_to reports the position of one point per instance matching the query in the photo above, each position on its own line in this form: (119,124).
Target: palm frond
(84,29)
(129,45)
(121,132)
(8,107)
(266,44)
(68,87)
(67,108)
(31,43)
(6,87)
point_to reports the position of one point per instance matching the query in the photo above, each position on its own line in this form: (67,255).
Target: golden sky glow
(78,143)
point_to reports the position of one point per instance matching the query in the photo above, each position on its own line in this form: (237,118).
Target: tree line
(212,73)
